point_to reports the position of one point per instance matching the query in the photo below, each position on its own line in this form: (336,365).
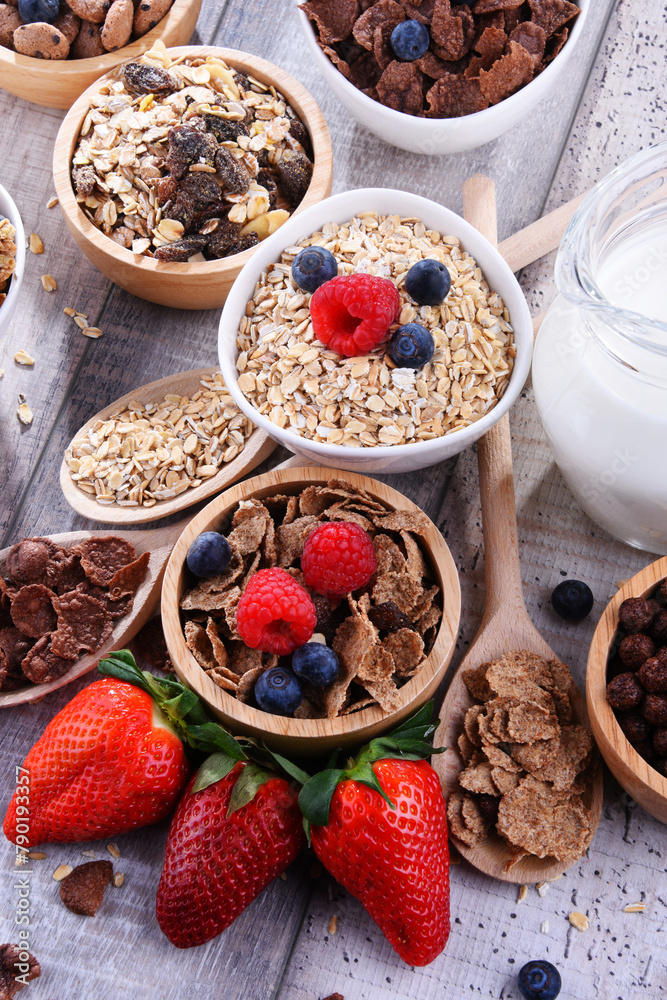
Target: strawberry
(380,828)
(227,841)
(113,759)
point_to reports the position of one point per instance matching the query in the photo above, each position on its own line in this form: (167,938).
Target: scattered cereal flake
(630,908)
(49,283)
(80,322)
(61,872)
(333,924)
(37,855)
(82,890)
(622,583)
(52,202)
(522,893)
(542,888)
(544,927)
(24,412)
(36,245)
(93,332)
(578,920)
(555,878)
(89,854)
(119,879)
(113,850)
(69,311)
(23,358)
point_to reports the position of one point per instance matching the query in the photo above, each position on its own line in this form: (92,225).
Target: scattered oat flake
(37,855)
(52,202)
(61,872)
(36,245)
(542,889)
(69,311)
(23,358)
(89,854)
(24,413)
(522,893)
(621,583)
(630,908)
(333,924)
(49,283)
(578,920)
(119,879)
(93,332)
(113,850)
(544,927)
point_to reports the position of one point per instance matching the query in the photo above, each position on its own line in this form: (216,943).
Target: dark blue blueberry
(572,600)
(410,40)
(411,346)
(312,267)
(316,663)
(38,10)
(428,282)
(539,980)
(208,555)
(278,691)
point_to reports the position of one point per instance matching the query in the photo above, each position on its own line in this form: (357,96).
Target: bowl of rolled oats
(393,636)
(359,408)
(172,169)
(51,64)
(12,257)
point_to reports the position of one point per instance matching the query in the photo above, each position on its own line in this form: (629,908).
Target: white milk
(634,274)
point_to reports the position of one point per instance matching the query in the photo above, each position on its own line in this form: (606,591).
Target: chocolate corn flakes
(381,637)
(517,747)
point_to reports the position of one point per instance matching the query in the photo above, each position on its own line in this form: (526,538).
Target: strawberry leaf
(365,775)
(289,768)
(251,778)
(420,720)
(214,768)
(315,796)
(212,738)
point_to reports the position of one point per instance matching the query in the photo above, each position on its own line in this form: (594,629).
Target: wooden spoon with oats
(257,447)
(505,625)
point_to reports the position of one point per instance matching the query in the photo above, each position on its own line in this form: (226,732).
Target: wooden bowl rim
(98,64)
(600,711)
(266,72)
(251,718)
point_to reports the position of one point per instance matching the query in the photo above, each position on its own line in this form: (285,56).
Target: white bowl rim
(9,209)
(425,125)
(299,225)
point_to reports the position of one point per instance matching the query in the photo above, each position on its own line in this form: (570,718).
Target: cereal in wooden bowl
(186,159)
(7,256)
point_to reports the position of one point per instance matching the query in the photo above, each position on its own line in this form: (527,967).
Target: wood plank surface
(608,105)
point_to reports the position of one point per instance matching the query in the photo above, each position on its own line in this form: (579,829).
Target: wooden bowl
(308,736)
(56,83)
(197,285)
(641,781)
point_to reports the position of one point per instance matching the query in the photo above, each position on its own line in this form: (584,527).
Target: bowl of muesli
(51,64)
(171,170)
(366,411)
(12,257)
(465,74)
(393,636)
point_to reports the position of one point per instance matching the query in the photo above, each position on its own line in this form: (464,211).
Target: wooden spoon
(159,541)
(505,625)
(258,447)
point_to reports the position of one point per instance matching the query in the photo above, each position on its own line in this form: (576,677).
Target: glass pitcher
(600,361)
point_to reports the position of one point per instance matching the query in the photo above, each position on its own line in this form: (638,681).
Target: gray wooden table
(607,106)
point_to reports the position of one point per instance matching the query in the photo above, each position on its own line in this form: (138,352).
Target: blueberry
(539,980)
(411,346)
(278,691)
(38,10)
(428,282)
(316,663)
(572,600)
(312,267)
(208,555)
(410,40)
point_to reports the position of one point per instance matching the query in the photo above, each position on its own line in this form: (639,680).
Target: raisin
(181,250)
(241,80)
(166,189)
(85,180)
(635,727)
(654,709)
(225,130)
(635,614)
(182,210)
(488,806)
(624,691)
(188,145)
(142,79)
(224,238)
(294,173)
(634,649)
(268,182)
(204,191)
(234,175)
(328,618)
(388,617)
(299,132)
(244,242)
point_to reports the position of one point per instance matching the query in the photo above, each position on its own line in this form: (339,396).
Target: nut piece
(333,924)
(61,872)
(113,850)
(634,908)
(578,920)
(49,283)
(119,879)
(36,245)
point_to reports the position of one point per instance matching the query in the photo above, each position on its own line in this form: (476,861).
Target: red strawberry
(384,838)
(225,844)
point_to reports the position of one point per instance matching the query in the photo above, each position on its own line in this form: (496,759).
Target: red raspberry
(353,313)
(275,614)
(338,557)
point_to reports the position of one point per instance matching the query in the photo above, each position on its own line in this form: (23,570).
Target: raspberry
(275,614)
(353,313)
(338,557)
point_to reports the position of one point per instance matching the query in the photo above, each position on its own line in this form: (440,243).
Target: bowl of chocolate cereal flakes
(434,76)
(12,257)
(66,46)
(174,167)
(284,652)
(626,687)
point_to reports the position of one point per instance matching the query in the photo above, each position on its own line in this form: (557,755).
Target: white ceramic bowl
(9,210)
(435,136)
(341,208)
